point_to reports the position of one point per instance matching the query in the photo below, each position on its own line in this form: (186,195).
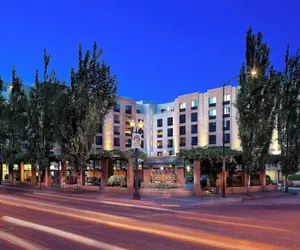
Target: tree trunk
(78,183)
(248,184)
(101,184)
(286,184)
(40,178)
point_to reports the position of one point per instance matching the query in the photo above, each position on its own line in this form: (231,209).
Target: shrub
(117,181)
(269,181)
(294,177)
(254,182)
(161,185)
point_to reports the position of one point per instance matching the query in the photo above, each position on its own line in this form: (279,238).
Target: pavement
(45,219)
(173,203)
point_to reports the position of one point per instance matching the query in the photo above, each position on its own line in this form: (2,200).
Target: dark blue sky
(158,49)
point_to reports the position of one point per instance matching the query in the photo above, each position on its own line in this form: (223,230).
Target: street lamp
(140,125)
(253,74)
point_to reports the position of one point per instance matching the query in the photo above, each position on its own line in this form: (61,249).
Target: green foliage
(84,106)
(269,181)
(289,115)
(257,103)
(161,185)
(117,181)
(294,177)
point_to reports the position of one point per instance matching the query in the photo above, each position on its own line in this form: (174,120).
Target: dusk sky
(157,49)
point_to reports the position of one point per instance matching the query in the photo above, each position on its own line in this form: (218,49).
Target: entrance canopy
(159,161)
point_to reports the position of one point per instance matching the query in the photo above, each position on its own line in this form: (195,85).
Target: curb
(266,196)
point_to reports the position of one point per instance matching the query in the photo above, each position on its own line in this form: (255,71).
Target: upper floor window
(182,118)
(138,111)
(159,122)
(159,153)
(182,107)
(194,117)
(117,142)
(116,119)
(212,114)
(226,99)
(194,141)
(170,121)
(182,142)
(227,138)
(170,143)
(100,129)
(159,144)
(170,131)
(159,133)
(227,125)
(212,101)
(116,130)
(226,112)
(212,139)
(98,140)
(127,109)
(194,104)
(182,130)
(117,107)
(194,129)
(212,127)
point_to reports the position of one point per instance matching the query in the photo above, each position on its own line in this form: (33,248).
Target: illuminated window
(182,106)
(151,111)
(227,111)
(151,143)
(159,144)
(151,122)
(227,98)
(212,114)
(151,132)
(159,133)
(212,101)
(194,104)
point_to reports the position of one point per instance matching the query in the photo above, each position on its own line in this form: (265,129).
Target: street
(37,220)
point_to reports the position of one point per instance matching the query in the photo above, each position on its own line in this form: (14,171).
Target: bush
(294,177)
(269,181)
(161,185)
(254,182)
(92,181)
(117,181)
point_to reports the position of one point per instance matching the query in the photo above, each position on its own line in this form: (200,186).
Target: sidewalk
(178,202)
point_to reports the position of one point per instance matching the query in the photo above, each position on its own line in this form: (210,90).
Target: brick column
(262,179)
(22,173)
(197,174)
(104,171)
(33,175)
(147,175)
(63,173)
(82,178)
(130,177)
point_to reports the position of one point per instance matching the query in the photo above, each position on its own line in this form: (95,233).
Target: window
(212,114)
(227,138)
(170,143)
(182,107)
(170,121)
(194,140)
(159,122)
(182,142)
(226,99)
(159,144)
(116,130)
(151,143)
(117,107)
(182,130)
(163,110)
(159,133)
(151,111)
(127,109)
(194,117)
(151,132)
(138,111)
(151,122)
(212,139)
(194,104)
(159,154)
(117,142)
(226,112)
(170,132)
(98,140)
(128,142)
(227,125)
(127,132)
(212,127)
(100,129)
(171,153)
(194,129)
(116,119)
(182,118)
(212,101)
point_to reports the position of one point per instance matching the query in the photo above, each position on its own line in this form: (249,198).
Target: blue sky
(157,49)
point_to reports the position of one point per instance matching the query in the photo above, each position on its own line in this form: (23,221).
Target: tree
(256,102)
(289,116)
(2,131)
(15,121)
(84,106)
(41,117)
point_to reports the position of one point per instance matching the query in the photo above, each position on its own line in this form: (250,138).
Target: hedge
(294,177)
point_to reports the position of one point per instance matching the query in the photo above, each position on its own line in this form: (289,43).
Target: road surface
(57,221)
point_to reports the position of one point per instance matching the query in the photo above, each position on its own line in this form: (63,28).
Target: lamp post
(136,144)
(253,73)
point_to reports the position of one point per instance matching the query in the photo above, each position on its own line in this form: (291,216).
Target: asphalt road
(33,221)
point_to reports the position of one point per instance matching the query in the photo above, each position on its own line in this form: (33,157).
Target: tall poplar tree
(84,106)
(257,102)
(289,116)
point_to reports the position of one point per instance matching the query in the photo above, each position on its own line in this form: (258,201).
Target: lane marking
(60,233)
(171,232)
(170,205)
(19,241)
(233,223)
(105,202)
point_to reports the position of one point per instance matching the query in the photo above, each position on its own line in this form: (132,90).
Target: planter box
(116,190)
(270,188)
(171,192)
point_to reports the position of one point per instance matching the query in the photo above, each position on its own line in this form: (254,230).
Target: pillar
(130,177)
(262,178)
(82,177)
(197,175)
(47,177)
(104,172)
(22,173)
(33,175)
(63,173)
